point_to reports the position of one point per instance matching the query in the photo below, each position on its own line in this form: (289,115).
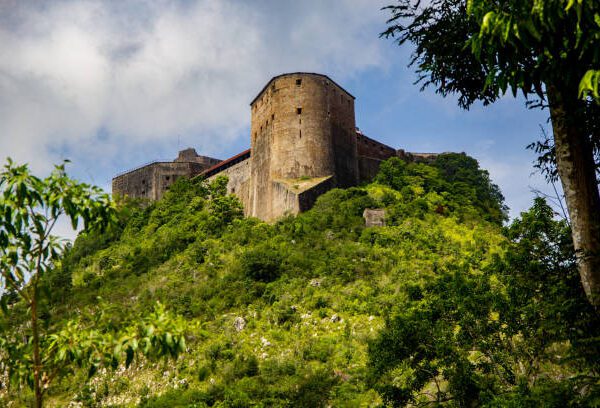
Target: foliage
(546,49)
(453,182)
(490,338)
(281,314)
(480,48)
(39,352)
(29,209)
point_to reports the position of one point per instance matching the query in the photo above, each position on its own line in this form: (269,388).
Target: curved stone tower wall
(302,127)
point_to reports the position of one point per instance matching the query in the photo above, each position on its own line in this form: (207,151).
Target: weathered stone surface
(152,180)
(239,323)
(374,217)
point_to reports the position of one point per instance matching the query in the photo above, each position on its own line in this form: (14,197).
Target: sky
(111,85)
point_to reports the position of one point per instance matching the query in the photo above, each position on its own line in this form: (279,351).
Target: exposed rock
(239,323)
(374,217)
(315,282)
(335,318)
(265,342)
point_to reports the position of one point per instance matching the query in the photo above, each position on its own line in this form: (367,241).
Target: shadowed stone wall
(152,180)
(302,128)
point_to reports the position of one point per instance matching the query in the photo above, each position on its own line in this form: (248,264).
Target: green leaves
(93,346)
(589,85)
(482,334)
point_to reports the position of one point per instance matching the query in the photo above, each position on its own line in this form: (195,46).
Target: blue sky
(113,84)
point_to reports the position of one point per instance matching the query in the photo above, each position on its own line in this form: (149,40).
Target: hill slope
(280,314)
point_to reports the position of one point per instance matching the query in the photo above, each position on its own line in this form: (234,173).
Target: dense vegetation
(441,305)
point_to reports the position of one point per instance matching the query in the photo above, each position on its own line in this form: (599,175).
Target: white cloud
(112,81)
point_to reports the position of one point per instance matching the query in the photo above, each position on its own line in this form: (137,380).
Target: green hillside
(443,305)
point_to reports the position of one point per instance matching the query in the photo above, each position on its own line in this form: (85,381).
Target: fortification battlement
(303,142)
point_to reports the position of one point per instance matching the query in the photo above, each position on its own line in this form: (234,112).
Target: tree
(30,207)
(518,332)
(478,49)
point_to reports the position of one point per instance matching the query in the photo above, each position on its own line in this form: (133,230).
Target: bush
(261,264)
(179,399)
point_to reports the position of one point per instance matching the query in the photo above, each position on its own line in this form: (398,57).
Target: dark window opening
(298,82)
(167,178)
(300,133)
(299,111)
(272,117)
(143,181)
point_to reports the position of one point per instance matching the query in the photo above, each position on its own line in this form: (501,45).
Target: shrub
(261,263)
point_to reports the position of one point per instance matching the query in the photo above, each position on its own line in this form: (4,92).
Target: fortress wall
(239,182)
(151,181)
(343,129)
(368,168)
(166,174)
(304,141)
(261,130)
(368,147)
(135,184)
(370,155)
(294,109)
(302,127)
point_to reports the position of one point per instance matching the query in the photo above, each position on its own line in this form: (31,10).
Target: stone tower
(303,132)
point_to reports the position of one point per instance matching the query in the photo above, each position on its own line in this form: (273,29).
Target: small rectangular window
(298,82)
(299,111)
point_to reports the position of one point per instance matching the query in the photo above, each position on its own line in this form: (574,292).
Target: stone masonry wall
(239,182)
(370,155)
(302,127)
(151,181)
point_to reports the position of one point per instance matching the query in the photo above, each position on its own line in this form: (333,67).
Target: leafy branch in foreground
(30,207)
(83,343)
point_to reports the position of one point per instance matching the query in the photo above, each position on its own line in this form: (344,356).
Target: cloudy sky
(114,84)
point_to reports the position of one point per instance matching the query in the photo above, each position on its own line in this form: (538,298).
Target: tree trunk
(576,168)
(37,363)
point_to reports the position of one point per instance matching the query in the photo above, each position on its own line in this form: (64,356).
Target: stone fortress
(303,142)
